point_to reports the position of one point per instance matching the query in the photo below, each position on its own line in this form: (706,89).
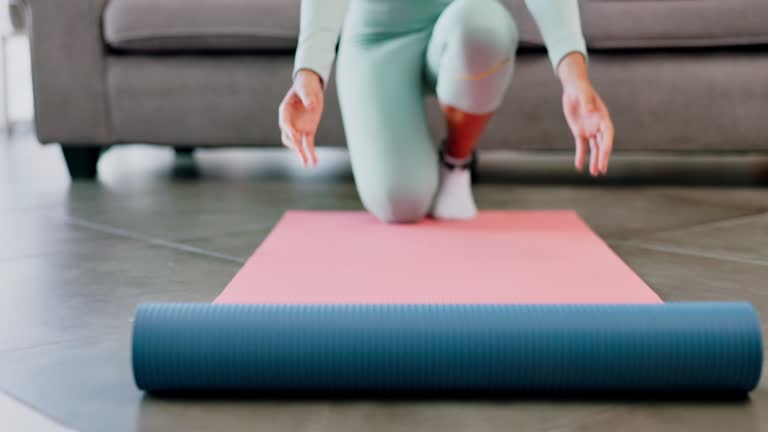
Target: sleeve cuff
(558,51)
(318,59)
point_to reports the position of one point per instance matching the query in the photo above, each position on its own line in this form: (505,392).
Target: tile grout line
(714,224)
(195,250)
(51,344)
(58,422)
(237,231)
(119,232)
(691,252)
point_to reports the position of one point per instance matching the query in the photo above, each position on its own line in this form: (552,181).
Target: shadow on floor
(735,398)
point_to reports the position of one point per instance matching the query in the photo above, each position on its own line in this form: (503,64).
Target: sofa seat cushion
(201,25)
(617,24)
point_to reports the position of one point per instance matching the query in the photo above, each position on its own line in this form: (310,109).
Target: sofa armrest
(69,71)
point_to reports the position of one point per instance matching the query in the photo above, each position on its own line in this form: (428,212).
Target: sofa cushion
(184,25)
(201,25)
(609,24)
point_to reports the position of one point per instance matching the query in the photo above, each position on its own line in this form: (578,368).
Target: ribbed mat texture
(656,347)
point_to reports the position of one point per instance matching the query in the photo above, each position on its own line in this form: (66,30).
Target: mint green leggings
(392,53)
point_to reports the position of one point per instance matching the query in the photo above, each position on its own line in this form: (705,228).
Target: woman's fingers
(593,156)
(298,145)
(286,118)
(286,140)
(581,152)
(309,143)
(590,123)
(605,152)
(606,133)
(600,147)
(299,114)
(602,156)
(289,140)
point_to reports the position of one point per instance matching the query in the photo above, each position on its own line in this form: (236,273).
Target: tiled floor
(76,259)
(19,417)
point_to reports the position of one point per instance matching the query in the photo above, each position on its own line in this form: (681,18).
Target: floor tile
(20,417)
(755,197)
(614,212)
(736,239)
(178,209)
(86,384)
(746,416)
(463,415)
(683,277)
(237,243)
(94,291)
(27,233)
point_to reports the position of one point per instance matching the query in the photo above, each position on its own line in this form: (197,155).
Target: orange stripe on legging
(485,74)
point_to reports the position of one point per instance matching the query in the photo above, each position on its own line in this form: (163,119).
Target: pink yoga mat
(499,257)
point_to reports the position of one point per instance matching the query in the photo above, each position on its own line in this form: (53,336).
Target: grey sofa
(678,75)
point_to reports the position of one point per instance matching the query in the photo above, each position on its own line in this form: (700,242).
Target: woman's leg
(464,130)
(470,57)
(382,104)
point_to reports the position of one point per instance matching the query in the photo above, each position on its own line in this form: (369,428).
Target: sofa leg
(183,151)
(81,160)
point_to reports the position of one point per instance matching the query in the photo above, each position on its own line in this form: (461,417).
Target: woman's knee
(486,32)
(399,202)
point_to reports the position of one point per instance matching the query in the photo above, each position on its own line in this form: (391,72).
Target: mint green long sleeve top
(321,20)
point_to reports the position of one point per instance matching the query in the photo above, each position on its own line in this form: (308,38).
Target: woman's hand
(299,115)
(586,114)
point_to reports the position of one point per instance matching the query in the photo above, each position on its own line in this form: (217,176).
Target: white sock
(454,198)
